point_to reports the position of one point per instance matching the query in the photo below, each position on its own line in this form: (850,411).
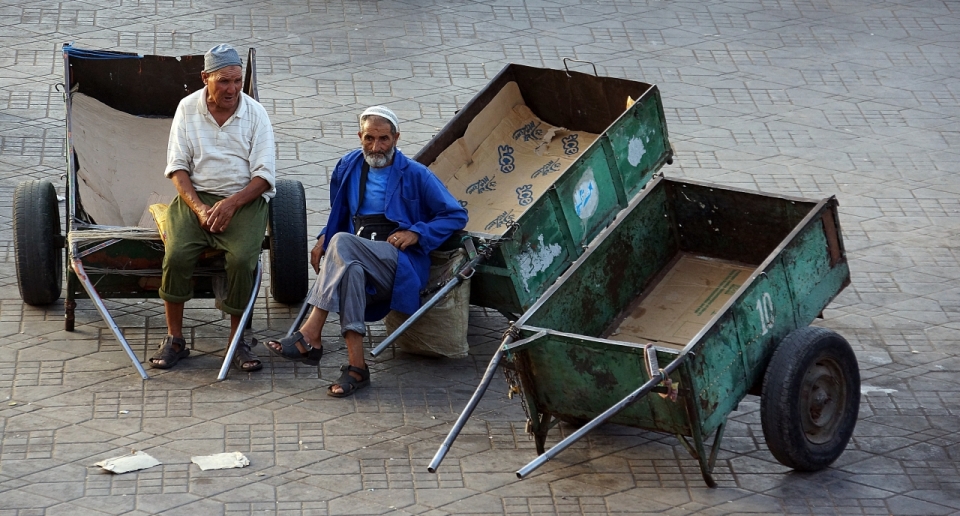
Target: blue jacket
(417,201)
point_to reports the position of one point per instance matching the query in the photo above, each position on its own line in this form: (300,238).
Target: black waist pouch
(374,227)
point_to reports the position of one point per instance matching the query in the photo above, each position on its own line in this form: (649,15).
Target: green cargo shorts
(186,241)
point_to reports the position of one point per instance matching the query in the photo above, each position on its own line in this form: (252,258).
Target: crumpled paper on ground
(221,461)
(135,461)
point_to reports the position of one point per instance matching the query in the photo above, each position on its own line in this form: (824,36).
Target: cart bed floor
(690,291)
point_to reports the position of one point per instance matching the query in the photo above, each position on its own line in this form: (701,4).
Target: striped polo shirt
(222,160)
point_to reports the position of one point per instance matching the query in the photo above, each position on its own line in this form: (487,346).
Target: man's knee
(241,262)
(337,240)
(177,257)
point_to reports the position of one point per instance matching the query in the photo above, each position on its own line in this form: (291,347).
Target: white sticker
(635,151)
(533,262)
(586,197)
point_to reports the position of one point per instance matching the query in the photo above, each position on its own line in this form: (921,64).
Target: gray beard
(378,159)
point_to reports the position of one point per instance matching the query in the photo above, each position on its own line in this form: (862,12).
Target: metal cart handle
(565,59)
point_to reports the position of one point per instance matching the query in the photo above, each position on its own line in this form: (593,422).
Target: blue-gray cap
(220,56)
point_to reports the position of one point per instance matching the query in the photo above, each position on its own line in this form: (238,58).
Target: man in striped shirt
(221,158)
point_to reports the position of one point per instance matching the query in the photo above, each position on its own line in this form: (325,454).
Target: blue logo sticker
(525,195)
(570,145)
(506,159)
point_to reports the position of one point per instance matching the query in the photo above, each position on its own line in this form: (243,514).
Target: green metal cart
(693,297)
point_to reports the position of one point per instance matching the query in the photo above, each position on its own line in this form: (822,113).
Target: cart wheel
(38,242)
(288,243)
(810,398)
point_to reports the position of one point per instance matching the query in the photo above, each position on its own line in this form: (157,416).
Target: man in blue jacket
(387,213)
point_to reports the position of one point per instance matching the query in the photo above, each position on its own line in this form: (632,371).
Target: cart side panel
(818,267)
(538,251)
(719,371)
(614,274)
(639,142)
(588,194)
(764,316)
(575,100)
(143,86)
(576,378)
(733,225)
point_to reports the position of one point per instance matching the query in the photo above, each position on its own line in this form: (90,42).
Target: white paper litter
(221,461)
(136,461)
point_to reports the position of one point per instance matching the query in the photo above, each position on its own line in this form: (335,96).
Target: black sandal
(348,383)
(243,356)
(288,349)
(169,355)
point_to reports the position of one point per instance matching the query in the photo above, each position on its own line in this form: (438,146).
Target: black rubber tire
(810,399)
(288,243)
(37,242)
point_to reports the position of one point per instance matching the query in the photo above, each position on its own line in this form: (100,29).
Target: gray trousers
(354,272)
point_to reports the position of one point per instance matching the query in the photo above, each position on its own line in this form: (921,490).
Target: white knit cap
(382,112)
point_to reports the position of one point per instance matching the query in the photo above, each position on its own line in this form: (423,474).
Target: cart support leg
(98,302)
(698,451)
(597,421)
(244,319)
(541,430)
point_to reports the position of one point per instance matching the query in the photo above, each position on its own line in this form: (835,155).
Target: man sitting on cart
(221,159)
(387,213)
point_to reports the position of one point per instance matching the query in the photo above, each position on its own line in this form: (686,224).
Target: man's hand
(403,239)
(203,215)
(218,217)
(316,253)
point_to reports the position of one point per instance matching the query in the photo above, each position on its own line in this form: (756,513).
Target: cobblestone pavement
(857,98)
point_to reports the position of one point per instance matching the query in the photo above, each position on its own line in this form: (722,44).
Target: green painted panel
(764,316)
(721,378)
(538,251)
(578,378)
(588,195)
(809,264)
(614,273)
(639,141)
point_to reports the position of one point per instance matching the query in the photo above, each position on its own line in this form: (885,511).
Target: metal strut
(464,273)
(238,336)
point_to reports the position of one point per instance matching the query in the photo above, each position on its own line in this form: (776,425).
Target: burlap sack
(442,330)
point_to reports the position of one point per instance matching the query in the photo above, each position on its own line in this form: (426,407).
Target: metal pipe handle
(416,315)
(105,314)
(595,422)
(471,405)
(238,336)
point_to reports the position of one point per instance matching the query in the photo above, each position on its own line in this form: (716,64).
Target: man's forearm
(255,188)
(184,186)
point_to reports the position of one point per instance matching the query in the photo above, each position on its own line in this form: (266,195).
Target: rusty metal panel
(718,366)
(578,378)
(538,251)
(604,283)
(809,261)
(733,224)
